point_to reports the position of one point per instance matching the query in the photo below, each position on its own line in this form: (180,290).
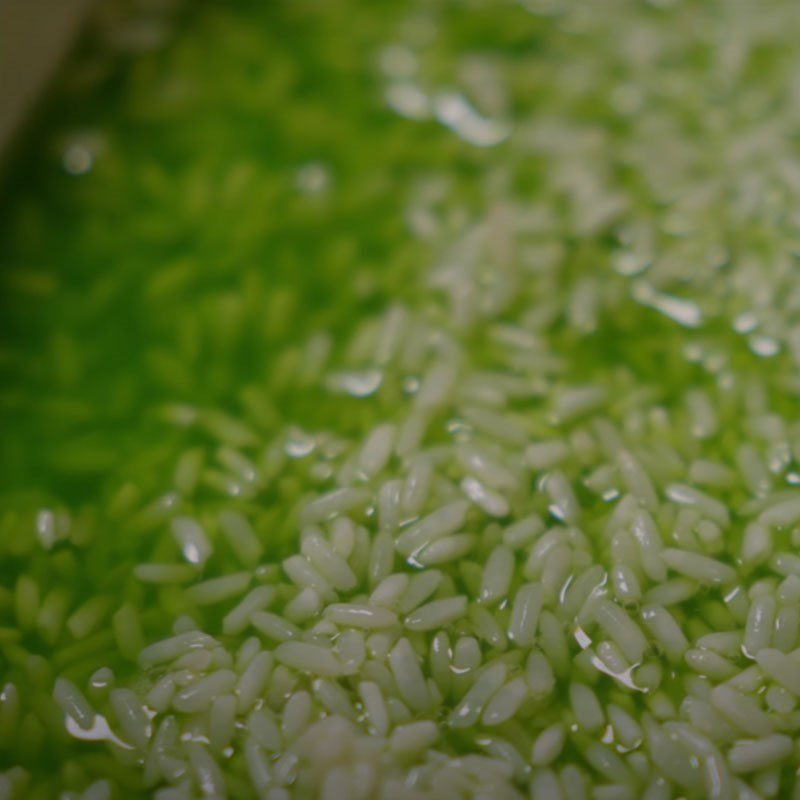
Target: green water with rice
(218,199)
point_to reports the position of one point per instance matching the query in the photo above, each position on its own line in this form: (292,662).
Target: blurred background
(166,170)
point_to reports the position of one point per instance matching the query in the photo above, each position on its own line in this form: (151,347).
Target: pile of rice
(548,548)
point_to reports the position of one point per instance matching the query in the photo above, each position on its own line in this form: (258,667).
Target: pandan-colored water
(215,199)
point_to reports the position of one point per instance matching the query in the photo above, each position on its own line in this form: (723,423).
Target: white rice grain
(241,538)
(666,631)
(726,643)
(238,618)
(343,536)
(523,532)
(704,422)
(760,625)
(216,590)
(357,615)
(486,626)
(753,469)
(335,698)
(257,766)
(553,642)
(756,544)
(710,664)
(442,522)
(132,717)
(416,487)
(273,626)
(497,575)
(619,627)
(749,755)
(199,695)
(556,570)
(698,567)
(174,647)
(539,674)
(439,662)
(546,455)
(377,450)
(413,737)
(408,675)
(575,401)
(493,503)
(492,470)
(627,730)
(544,785)
(548,745)
(327,561)
(783,514)
(637,481)
(437,613)
(672,592)
(586,707)
(743,711)
(505,703)
(564,505)
(192,540)
(303,575)
(781,668)
(436,386)
(296,715)
(420,588)
(627,589)
(469,709)
(525,614)
(207,773)
(501,427)
(685,495)
(160,695)
(222,722)
(306,657)
(381,559)
(449,548)
(787,627)
(339,501)
(573,783)
(351,650)
(390,513)
(388,592)
(303,606)
(73,702)
(375,706)
(648,537)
